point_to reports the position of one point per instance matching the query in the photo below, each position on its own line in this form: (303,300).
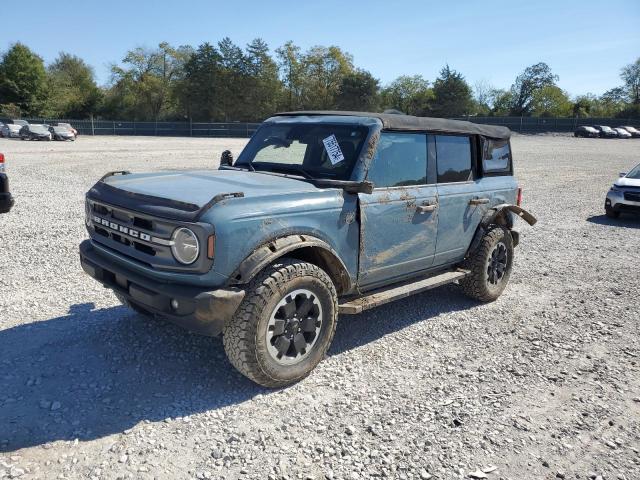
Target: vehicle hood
(181,194)
(628,182)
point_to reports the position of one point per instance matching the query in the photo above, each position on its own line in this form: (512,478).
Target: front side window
(453,155)
(400,160)
(317,150)
(496,156)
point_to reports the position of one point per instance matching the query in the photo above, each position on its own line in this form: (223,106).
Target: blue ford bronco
(323,213)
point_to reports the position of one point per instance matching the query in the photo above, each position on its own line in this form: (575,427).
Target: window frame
(494,173)
(428,178)
(473,150)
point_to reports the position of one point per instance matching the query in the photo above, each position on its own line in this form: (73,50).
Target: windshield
(13,127)
(60,129)
(37,129)
(317,150)
(605,128)
(635,173)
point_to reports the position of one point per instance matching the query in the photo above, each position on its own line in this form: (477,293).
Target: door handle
(427,207)
(478,201)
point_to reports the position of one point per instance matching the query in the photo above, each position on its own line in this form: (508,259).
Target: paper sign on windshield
(333,149)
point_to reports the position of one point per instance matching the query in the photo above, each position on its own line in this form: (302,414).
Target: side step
(389,294)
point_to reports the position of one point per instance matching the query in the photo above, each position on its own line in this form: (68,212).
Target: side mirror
(622,174)
(226,159)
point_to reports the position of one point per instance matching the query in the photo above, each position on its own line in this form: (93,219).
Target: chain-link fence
(245,130)
(159,129)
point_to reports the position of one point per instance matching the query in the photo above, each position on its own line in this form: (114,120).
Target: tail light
(1,162)
(519,197)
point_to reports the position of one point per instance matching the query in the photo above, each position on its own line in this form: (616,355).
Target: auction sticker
(333,149)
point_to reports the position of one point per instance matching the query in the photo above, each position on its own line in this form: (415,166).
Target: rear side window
(400,160)
(496,156)
(453,155)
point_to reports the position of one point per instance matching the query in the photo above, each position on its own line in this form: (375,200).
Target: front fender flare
(274,249)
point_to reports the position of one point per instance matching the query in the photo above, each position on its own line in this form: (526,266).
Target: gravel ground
(543,383)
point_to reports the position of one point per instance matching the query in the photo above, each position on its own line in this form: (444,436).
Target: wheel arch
(302,247)
(499,215)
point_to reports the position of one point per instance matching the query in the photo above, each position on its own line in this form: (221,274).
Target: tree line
(225,82)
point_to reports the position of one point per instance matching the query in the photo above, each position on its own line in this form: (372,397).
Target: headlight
(186,247)
(615,188)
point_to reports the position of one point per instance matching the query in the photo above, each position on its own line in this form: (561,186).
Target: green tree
(264,88)
(501,101)
(631,77)
(408,94)
(359,91)
(143,89)
(23,80)
(198,91)
(533,78)
(452,95)
(72,87)
(551,101)
(291,73)
(323,71)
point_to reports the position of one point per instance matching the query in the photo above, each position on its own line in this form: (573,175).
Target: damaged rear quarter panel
(244,224)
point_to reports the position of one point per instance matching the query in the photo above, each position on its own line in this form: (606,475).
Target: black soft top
(392,121)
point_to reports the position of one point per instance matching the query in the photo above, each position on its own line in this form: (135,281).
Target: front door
(399,219)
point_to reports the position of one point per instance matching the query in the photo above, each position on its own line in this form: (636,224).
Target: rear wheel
(490,266)
(133,305)
(284,325)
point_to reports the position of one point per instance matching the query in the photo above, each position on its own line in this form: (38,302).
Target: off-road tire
(133,305)
(477,285)
(245,337)
(611,213)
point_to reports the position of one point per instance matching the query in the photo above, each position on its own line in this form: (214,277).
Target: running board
(390,294)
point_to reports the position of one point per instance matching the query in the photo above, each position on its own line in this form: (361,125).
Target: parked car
(34,132)
(6,200)
(585,131)
(635,133)
(1,127)
(624,194)
(605,131)
(61,133)
(322,213)
(10,130)
(22,123)
(622,133)
(68,126)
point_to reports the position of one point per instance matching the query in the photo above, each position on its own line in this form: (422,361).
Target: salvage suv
(322,213)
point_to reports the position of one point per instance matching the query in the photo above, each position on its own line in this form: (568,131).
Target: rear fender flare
(499,215)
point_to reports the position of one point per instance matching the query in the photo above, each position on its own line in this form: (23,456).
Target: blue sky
(585,42)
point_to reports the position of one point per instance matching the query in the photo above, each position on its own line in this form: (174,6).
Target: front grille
(632,196)
(132,234)
(142,237)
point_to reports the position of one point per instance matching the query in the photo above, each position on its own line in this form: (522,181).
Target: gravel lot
(542,384)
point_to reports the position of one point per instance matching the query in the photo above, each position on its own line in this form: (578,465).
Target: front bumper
(623,201)
(200,310)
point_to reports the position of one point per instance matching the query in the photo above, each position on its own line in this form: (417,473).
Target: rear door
(462,204)
(399,220)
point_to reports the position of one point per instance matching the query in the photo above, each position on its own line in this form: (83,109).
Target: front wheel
(284,325)
(611,213)
(490,266)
